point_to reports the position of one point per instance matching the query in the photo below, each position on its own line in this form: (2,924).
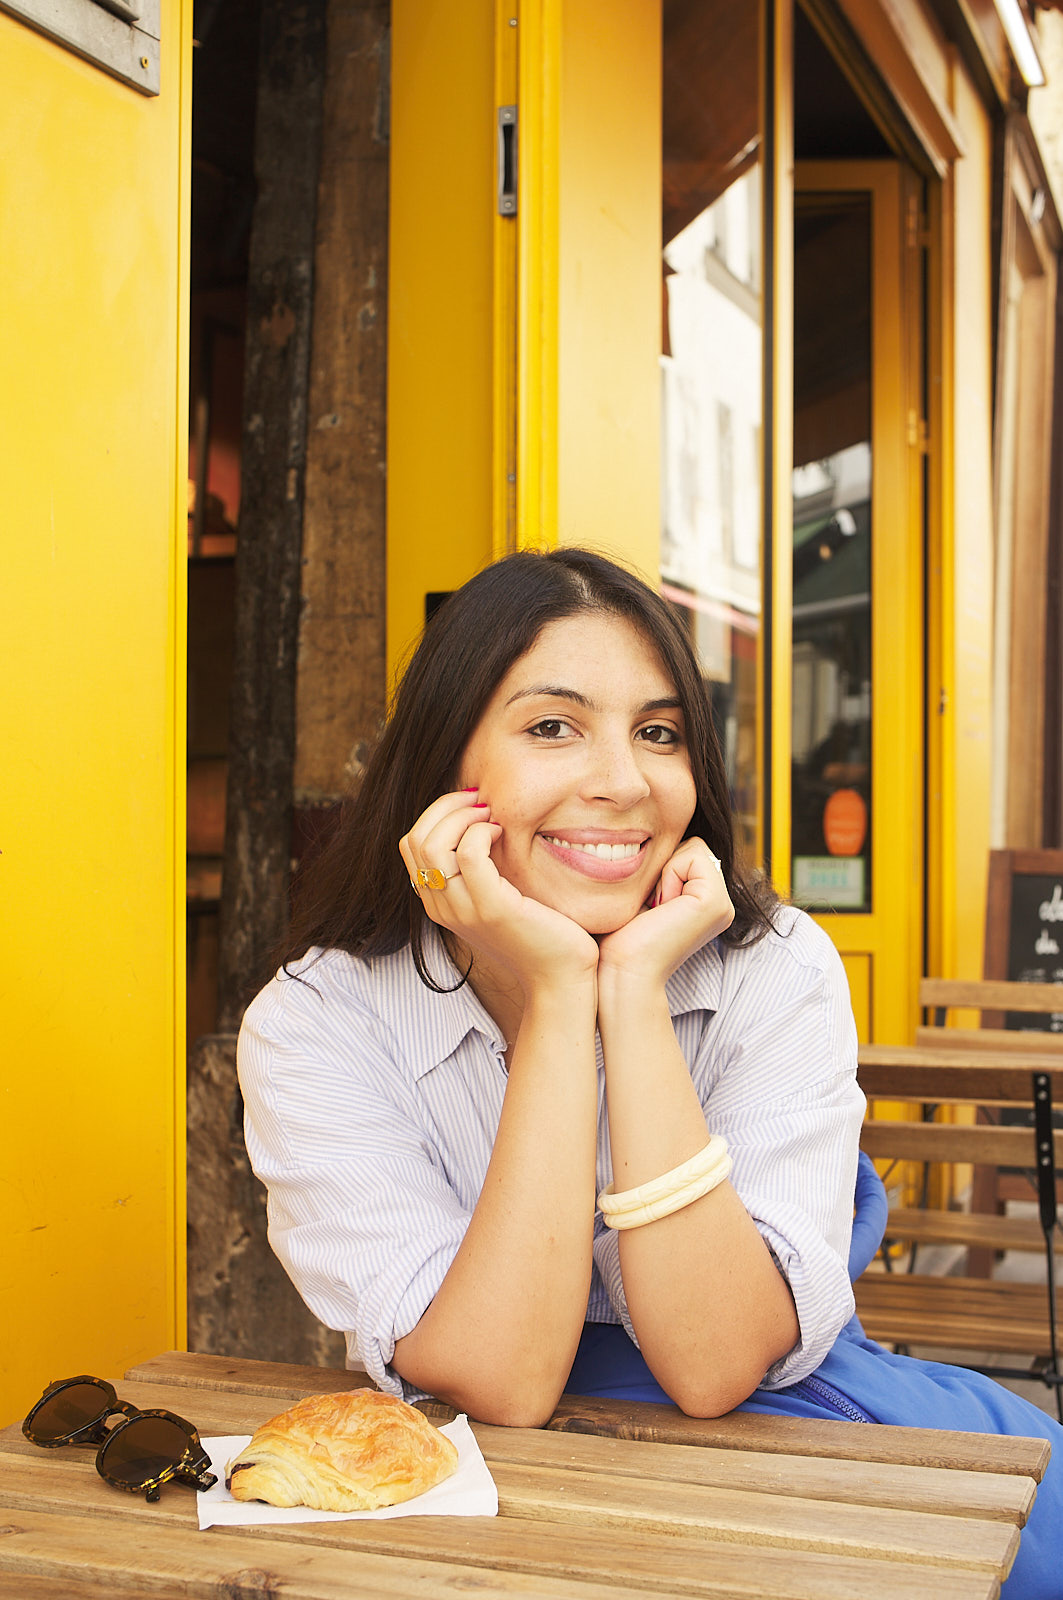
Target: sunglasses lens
(142,1449)
(66,1412)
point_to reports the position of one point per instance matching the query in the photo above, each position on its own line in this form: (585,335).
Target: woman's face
(581,755)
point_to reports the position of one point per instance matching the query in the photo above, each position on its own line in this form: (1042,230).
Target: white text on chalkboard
(1052,910)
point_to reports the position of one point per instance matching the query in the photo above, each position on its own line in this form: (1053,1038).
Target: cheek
(685,800)
(518,798)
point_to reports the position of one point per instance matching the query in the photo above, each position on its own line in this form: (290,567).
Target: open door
(857,725)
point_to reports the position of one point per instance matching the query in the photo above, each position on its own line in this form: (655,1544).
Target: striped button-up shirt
(372,1105)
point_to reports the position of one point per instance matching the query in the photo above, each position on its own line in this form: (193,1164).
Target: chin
(607,919)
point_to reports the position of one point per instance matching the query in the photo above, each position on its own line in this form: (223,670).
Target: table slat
(20,1586)
(801,1436)
(282,1380)
(644,1506)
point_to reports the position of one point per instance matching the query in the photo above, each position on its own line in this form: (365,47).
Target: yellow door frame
(882,949)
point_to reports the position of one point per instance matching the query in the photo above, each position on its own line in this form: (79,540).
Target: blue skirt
(861,1382)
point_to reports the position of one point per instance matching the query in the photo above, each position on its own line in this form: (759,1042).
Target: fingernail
(471,789)
(480,805)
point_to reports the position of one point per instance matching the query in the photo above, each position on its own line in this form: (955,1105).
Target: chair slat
(991,995)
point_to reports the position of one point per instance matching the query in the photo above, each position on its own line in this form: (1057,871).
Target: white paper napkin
(469,1492)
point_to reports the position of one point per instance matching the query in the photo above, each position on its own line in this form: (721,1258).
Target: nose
(614,772)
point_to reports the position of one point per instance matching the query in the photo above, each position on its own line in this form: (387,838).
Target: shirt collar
(433,1025)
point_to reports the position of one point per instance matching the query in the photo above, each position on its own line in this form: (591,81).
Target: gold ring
(431,878)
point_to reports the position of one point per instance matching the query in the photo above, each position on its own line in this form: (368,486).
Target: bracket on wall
(121,36)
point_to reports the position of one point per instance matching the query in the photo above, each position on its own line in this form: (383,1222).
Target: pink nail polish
(480,805)
(471,789)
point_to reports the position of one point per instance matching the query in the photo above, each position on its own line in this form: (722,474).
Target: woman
(528,969)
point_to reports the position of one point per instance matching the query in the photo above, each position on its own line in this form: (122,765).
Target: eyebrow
(556,691)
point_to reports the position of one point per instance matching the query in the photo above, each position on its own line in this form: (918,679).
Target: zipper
(831,1398)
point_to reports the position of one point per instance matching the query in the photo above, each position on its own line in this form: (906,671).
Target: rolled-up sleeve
(361,1212)
(779,1064)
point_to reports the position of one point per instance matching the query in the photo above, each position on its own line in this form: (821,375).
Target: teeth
(605,852)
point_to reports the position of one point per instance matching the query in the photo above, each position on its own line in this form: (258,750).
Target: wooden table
(612,1501)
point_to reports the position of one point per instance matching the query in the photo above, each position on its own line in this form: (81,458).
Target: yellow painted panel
(964,559)
(858,972)
(608,428)
(93,424)
(776,796)
(506,300)
(538,288)
(441,370)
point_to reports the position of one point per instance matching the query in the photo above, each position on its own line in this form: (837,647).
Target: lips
(605,860)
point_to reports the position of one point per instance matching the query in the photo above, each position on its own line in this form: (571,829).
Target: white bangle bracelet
(711,1163)
(637,1216)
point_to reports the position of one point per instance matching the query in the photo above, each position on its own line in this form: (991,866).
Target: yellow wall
(440,370)
(608,429)
(93,218)
(961,567)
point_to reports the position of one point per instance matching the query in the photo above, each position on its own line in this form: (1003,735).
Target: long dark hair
(355,894)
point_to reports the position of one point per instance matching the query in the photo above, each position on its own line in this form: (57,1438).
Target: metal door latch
(507,161)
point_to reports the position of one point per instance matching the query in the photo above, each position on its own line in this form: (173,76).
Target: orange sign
(845,823)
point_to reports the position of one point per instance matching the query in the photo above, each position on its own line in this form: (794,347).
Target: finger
(673,881)
(472,855)
(694,866)
(445,805)
(450,811)
(456,887)
(436,850)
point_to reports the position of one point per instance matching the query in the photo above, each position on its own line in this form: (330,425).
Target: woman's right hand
(481,908)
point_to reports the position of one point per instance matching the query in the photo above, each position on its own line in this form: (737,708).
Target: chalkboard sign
(1024,928)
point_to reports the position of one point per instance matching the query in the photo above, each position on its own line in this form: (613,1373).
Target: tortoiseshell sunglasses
(143,1451)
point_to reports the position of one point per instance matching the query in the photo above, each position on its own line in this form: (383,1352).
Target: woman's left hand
(691,907)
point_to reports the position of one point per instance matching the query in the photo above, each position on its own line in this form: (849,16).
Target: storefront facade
(740,327)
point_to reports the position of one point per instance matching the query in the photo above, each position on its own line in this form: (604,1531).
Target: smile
(604,852)
(601,860)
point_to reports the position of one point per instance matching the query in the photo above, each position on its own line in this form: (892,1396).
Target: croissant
(343,1452)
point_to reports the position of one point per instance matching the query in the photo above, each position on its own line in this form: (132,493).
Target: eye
(549,728)
(659,733)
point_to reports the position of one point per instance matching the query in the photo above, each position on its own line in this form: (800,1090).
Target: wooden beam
(291,75)
(342,672)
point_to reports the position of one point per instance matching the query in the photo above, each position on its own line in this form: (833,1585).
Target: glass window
(712,361)
(831,732)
